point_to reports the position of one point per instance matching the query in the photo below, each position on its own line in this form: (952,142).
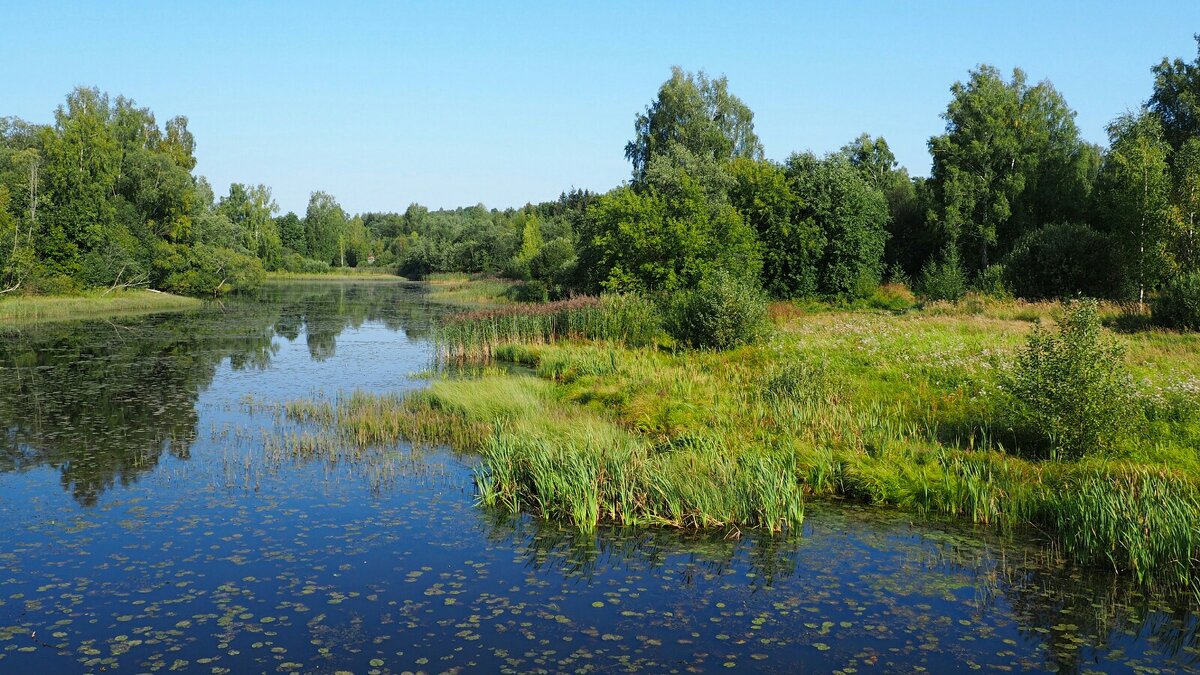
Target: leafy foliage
(697,113)
(1177,305)
(1069,390)
(722,312)
(1061,260)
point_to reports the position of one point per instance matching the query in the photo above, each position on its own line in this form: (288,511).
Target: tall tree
(1176,98)
(672,233)
(1010,160)
(325,228)
(791,245)
(1134,198)
(251,209)
(698,113)
(852,215)
(910,243)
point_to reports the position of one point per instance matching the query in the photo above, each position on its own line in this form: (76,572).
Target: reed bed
(627,320)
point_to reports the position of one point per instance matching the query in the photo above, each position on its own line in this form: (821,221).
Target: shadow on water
(103,401)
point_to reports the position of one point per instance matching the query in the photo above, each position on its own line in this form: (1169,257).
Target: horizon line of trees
(1016,203)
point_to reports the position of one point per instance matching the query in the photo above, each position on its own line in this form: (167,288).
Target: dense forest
(1016,203)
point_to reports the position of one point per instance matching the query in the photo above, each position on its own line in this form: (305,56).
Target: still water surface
(145,527)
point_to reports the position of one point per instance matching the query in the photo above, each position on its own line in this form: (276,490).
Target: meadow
(582,413)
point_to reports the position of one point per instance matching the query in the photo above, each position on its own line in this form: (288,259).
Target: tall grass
(29,309)
(475,336)
(566,464)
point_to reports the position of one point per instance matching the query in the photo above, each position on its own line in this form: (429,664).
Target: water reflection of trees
(1078,615)
(102,401)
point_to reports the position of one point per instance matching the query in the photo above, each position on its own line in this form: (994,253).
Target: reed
(475,336)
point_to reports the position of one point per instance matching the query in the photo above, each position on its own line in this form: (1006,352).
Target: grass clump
(1069,388)
(564,462)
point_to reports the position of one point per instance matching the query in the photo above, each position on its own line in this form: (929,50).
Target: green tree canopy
(698,113)
(1009,161)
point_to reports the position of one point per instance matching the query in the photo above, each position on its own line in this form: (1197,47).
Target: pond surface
(146,525)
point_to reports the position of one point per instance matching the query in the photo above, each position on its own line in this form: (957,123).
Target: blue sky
(447,104)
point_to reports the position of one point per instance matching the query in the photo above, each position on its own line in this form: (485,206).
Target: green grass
(572,464)
(870,406)
(469,290)
(30,309)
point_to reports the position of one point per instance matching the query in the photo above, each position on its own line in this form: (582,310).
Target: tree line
(1016,203)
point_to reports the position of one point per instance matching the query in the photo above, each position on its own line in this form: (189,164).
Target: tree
(791,246)
(82,165)
(850,213)
(1186,204)
(1133,197)
(910,243)
(670,234)
(1009,161)
(324,227)
(1176,98)
(251,209)
(698,113)
(291,233)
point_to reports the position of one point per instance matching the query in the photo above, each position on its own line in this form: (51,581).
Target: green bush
(942,279)
(294,262)
(721,312)
(529,291)
(1061,260)
(206,270)
(1177,305)
(991,282)
(1069,391)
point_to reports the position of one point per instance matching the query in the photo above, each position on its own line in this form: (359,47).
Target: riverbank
(31,309)
(347,274)
(873,407)
(469,290)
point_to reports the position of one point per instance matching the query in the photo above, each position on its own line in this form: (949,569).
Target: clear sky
(454,103)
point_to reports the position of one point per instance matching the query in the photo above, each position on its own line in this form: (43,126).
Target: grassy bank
(30,309)
(336,274)
(874,407)
(468,291)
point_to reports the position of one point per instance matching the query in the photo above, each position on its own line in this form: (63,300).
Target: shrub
(1177,305)
(1061,260)
(721,312)
(990,281)
(529,291)
(1069,390)
(942,279)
